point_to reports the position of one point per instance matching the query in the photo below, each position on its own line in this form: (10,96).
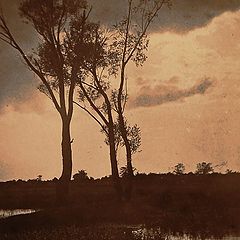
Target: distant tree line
(202,169)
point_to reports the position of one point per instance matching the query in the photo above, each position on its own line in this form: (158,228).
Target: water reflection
(142,233)
(111,232)
(4,213)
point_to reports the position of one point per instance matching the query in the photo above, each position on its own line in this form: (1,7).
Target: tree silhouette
(54,63)
(132,38)
(132,42)
(179,169)
(105,90)
(39,178)
(124,171)
(80,176)
(204,168)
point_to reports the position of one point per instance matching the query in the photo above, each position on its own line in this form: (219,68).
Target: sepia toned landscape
(119,119)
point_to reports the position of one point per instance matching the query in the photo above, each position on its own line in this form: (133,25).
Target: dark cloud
(166,93)
(15,78)
(183,16)
(186,15)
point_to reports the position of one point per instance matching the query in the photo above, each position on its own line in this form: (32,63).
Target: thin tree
(133,40)
(53,64)
(93,91)
(113,49)
(96,92)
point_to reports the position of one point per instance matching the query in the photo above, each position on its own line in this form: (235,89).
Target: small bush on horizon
(124,171)
(179,169)
(80,176)
(204,168)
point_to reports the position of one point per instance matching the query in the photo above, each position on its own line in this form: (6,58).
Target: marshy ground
(163,205)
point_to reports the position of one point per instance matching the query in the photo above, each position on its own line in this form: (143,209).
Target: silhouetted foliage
(56,61)
(55,180)
(80,176)
(124,171)
(229,171)
(179,169)
(204,168)
(112,49)
(205,206)
(39,178)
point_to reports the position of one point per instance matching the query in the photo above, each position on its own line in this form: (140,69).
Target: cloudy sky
(186,97)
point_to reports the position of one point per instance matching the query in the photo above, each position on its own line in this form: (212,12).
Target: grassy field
(194,204)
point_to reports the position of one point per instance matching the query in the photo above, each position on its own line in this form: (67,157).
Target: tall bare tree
(53,62)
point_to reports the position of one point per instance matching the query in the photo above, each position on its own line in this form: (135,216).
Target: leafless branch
(97,120)
(92,103)
(155,10)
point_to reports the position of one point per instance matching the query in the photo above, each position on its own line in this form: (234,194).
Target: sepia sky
(186,97)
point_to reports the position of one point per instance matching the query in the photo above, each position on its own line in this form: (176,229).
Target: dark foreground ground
(201,206)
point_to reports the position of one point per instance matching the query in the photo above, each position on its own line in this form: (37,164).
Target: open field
(194,204)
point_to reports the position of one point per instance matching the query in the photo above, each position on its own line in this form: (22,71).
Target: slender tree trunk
(114,165)
(64,181)
(130,175)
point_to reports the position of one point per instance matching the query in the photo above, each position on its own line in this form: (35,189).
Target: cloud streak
(183,16)
(15,79)
(161,94)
